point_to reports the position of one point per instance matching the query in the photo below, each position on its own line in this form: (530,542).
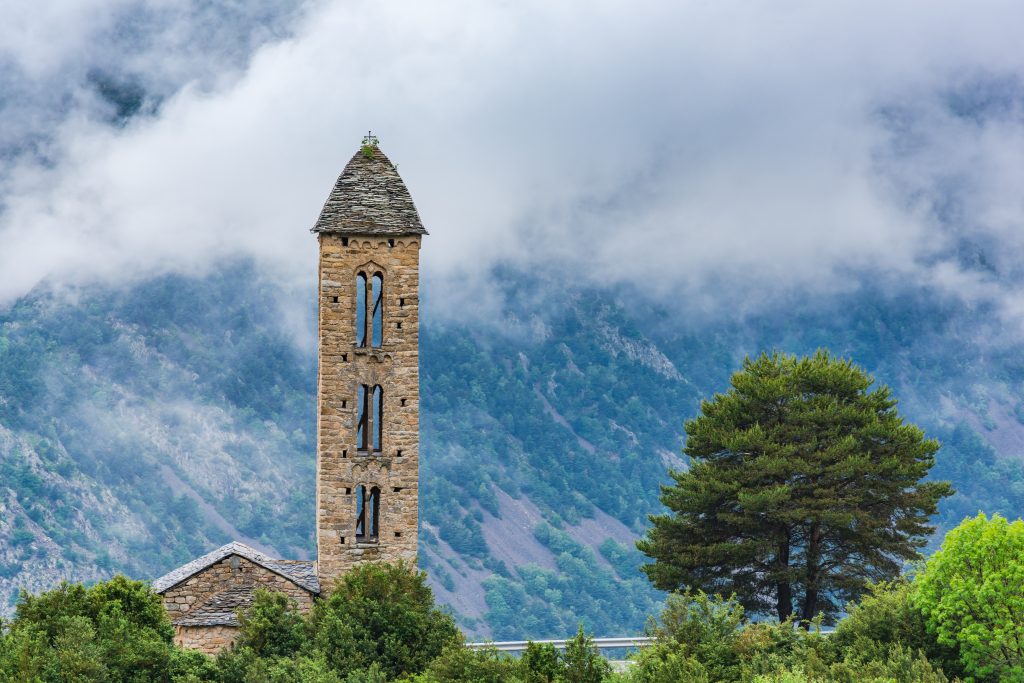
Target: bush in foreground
(707,638)
(117,630)
(972,594)
(958,619)
(379,623)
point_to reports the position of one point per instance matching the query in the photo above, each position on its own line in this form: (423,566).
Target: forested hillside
(140,427)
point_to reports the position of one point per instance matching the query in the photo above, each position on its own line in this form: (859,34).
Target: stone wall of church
(208,639)
(231,572)
(341,466)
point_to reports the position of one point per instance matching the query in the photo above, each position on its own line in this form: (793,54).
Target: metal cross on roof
(370,140)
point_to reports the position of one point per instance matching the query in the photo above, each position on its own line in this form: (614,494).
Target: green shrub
(694,627)
(706,638)
(540,663)
(272,626)
(381,614)
(788,676)
(116,630)
(243,665)
(378,624)
(972,595)
(664,665)
(887,616)
(582,662)
(458,664)
(898,665)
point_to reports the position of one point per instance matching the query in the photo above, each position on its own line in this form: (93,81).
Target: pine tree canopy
(804,485)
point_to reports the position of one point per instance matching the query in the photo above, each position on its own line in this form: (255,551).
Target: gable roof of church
(369,199)
(300,572)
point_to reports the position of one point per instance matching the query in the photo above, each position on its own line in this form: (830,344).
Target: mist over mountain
(140,427)
(729,156)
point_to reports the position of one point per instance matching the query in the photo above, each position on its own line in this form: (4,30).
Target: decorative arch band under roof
(369,199)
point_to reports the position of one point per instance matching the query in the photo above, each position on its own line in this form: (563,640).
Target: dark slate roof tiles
(300,572)
(370,199)
(220,609)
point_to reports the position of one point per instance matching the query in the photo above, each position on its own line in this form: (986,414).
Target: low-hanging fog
(725,154)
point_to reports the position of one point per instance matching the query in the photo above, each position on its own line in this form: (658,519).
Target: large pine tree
(805,483)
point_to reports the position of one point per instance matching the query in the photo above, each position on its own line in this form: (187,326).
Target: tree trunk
(783,589)
(784,603)
(810,607)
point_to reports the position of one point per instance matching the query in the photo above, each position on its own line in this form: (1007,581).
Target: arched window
(378,417)
(377,312)
(360,512)
(361,309)
(363,418)
(367,514)
(373,505)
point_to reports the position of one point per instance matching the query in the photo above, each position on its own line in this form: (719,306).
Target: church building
(367,469)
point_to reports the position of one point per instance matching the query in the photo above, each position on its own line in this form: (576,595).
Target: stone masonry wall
(343,367)
(231,572)
(207,639)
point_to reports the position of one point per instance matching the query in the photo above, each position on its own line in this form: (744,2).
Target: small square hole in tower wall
(343,540)
(403,402)
(398,325)
(398,534)
(334,299)
(344,358)
(344,454)
(391,243)
(397,489)
(344,241)
(401,303)
(399,452)
(348,492)
(344,404)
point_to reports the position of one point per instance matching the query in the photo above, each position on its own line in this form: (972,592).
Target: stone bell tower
(367,477)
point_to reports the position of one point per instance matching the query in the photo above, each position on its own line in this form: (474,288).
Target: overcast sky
(779,147)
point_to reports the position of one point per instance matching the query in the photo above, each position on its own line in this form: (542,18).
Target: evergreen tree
(805,484)
(582,662)
(541,663)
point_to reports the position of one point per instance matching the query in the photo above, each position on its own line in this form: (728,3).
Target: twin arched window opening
(367,514)
(369,309)
(370,402)
(370,419)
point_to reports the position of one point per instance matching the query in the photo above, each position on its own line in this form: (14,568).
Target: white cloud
(677,145)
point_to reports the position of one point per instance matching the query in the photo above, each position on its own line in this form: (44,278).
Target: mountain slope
(140,427)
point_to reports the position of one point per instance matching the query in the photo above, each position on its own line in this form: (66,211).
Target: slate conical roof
(369,199)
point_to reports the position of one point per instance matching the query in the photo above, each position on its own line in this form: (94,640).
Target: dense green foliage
(580,663)
(114,631)
(886,617)
(382,625)
(702,638)
(805,484)
(972,595)
(379,621)
(959,618)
